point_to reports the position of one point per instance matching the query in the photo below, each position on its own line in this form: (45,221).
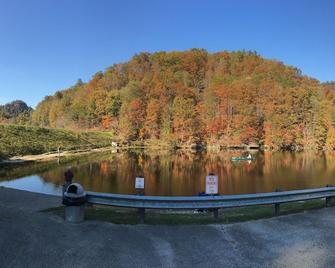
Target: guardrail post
(328,199)
(277,205)
(216,213)
(277,209)
(141,213)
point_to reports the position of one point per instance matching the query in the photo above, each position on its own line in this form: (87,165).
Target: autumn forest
(194,97)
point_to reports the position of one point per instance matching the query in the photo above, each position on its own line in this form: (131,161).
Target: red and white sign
(212,184)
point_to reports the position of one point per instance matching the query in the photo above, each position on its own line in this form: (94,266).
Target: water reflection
(33,184)
(183,173)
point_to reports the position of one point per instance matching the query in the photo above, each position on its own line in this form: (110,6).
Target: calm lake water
(180,173)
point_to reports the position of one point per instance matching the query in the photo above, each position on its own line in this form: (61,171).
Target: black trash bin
(74,200)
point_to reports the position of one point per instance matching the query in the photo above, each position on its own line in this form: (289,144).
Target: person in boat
(249,155)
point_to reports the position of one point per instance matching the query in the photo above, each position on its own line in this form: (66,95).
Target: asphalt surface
(29,238)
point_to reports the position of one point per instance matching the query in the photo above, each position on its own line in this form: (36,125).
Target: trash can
(74,200)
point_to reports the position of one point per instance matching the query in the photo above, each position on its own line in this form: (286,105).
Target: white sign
(211,184)
(139,183)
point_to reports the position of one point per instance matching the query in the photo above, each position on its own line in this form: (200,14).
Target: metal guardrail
(209,202)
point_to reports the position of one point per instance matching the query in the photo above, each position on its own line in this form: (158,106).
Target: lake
(178,173)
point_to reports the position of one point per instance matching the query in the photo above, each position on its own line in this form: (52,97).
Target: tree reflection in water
(182,173)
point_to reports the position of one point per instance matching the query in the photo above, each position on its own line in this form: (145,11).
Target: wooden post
(58,158)
(141,213)
(216,213)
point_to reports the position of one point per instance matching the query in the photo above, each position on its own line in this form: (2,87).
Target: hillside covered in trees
(225,98)
(16,112)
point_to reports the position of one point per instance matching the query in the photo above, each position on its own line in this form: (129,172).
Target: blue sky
(46,45)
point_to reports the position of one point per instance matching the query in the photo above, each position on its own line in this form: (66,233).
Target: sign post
(212,189)
(139,186)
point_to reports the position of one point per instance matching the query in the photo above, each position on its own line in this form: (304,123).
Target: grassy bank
(18,140)
(165,217)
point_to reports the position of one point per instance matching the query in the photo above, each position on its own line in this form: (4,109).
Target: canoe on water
(240,158)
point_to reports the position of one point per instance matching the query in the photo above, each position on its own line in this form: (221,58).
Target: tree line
(194,97)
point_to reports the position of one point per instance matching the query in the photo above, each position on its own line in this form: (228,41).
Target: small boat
(241,158)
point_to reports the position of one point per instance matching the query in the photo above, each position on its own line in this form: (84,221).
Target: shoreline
(16,160)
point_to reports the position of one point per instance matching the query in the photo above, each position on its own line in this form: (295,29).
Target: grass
(166,217)
(18,140)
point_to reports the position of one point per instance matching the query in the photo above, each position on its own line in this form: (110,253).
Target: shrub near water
(22,140)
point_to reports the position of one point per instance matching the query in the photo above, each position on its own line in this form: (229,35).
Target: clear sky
(47,45)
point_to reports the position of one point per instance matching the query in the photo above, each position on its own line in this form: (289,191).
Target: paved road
(29,238)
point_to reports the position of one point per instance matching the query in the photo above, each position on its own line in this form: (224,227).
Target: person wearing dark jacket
(68,176)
